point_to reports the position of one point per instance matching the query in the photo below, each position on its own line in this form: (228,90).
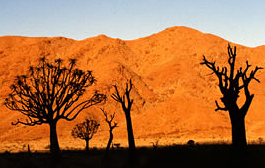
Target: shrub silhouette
(191,142)
(155,144)
(231,82)
(260,140)
(109,119)
(126,104)
(50,92)
(86,130)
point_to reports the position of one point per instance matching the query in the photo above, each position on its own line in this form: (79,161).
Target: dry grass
(76,144)
(167,156)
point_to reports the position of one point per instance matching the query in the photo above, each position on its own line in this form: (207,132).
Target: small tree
(231,82)
(126,104)
(260,140)
(109,119)
(86,130)
(50,92)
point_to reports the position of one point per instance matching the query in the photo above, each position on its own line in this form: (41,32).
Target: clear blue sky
(240,21)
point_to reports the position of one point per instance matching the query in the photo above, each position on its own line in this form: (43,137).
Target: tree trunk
(130,131)
(110,140)
(238,154)
(109,143)
(130,138)
(87,145)
(54,145)
(239,140)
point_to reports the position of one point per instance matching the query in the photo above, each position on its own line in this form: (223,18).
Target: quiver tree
(126,104)
(50,92)
(231,82)
(86,130)
(109,119)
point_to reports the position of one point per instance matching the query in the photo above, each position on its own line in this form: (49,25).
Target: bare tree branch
(229,84)
(50,92)
(50,88)
(86,129)
(219,108)
(109,119)
(126,103)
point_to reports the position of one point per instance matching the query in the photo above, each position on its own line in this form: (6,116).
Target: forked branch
(125,98)
(109,119)
(229,83)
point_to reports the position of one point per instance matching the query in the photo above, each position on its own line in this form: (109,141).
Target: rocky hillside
(173,94)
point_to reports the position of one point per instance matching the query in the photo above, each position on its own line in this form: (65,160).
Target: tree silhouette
(109,119)
(231,82)
(86,130)
(50,92)
(126,103)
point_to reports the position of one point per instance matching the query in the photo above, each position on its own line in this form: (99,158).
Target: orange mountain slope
(173,94)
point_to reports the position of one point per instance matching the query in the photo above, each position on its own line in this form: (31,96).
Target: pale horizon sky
(239,21)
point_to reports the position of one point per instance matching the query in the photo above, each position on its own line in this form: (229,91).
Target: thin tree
(50,92)
(86,130)
(109,120)
(231,82)
(126,104)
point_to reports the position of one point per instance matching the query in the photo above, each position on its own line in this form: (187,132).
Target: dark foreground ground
(203,156)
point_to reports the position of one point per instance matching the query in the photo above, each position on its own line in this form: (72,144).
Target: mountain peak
(181,28)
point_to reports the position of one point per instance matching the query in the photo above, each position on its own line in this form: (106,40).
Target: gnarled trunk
(238,131)
(54,145)
(110,140)
(109,143)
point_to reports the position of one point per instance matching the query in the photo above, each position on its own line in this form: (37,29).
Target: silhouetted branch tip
(43,59)
(73,61)
(59,60)
(219,108)
(15,123)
